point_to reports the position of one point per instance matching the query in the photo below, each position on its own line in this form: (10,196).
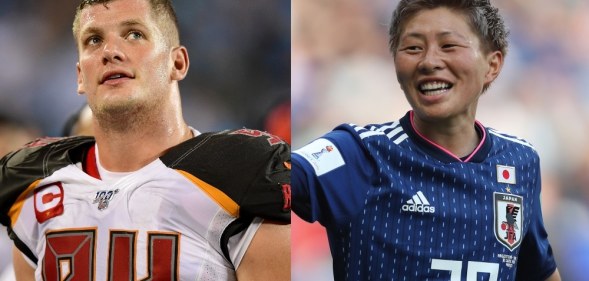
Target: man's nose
(112,52)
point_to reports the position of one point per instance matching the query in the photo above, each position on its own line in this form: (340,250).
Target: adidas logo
(418,204)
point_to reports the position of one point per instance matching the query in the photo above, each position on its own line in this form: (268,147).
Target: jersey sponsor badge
(418,203)
(508,219)
(48,201)
(505,174)
(323,155)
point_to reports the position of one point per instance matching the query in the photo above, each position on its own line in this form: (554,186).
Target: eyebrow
(440,34)
(97,30)
(132,22)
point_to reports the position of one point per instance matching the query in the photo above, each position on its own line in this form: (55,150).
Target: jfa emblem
(508,219)
(103,197)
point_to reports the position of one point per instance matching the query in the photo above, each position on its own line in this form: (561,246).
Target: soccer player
(149,197)
(434,195)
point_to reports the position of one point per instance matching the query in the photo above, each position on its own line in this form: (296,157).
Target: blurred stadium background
(342,72)
(239,72)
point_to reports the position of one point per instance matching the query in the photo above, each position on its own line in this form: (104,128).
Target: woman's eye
(412,49)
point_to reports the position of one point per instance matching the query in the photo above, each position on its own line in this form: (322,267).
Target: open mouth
(434,88)
(113,76)
(116,76)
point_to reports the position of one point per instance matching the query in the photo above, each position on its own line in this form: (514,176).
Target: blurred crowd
(239,70)
(342,71)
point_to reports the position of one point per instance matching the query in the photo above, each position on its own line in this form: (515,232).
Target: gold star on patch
(508,189)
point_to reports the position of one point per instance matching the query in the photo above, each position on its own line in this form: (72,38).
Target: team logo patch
(48,200)
(508,219)
(323,155)
(103,198)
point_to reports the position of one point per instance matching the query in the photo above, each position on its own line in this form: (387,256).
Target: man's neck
(131,150)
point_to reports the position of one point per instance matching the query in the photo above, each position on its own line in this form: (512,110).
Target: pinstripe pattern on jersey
(384,241)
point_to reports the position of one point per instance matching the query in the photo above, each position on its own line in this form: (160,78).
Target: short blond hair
(161,10)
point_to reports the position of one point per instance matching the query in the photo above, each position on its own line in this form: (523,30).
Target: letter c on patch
(48,201)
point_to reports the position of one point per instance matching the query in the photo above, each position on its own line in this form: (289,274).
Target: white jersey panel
(153,198)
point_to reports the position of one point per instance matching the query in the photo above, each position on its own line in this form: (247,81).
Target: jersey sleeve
(536,260)
(38,159)
(19,170)
(239,243)
(330,178)
(249,166)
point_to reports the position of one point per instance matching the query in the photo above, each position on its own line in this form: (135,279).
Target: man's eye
(134,35)
(92,40)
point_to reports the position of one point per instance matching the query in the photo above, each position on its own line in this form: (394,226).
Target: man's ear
(180,63)
(81,89)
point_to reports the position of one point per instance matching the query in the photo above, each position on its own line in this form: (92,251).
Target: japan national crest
(508,219)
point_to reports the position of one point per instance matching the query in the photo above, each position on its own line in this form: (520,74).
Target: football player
(148,197)
(434,195)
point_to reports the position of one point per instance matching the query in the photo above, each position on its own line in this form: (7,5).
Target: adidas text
(418,208)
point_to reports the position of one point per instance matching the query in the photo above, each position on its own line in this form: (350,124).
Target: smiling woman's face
(441,65)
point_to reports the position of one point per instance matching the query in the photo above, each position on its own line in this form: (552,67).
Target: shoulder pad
(251,167)
(37,160)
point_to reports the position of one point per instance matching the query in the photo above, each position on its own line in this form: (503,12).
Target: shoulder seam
(511,138)
(192,149)
(393,131)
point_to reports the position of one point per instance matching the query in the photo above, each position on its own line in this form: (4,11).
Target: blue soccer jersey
(399,207)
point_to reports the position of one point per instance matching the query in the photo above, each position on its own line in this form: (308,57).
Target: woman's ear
(495,60)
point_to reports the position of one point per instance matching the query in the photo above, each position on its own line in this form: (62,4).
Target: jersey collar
(89,164)
(429,147)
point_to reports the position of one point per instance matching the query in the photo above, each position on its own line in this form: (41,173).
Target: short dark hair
(160,9)
(484,19)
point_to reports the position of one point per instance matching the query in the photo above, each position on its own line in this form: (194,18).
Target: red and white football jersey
(189,215)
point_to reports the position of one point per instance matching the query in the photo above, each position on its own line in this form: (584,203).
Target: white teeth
(115,76)
(434,86)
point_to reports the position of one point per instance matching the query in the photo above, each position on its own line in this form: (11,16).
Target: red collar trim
(90,166)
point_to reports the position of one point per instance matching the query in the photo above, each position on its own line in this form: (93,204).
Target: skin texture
(138,117)
(22,270)
(439,45)
(274,264)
